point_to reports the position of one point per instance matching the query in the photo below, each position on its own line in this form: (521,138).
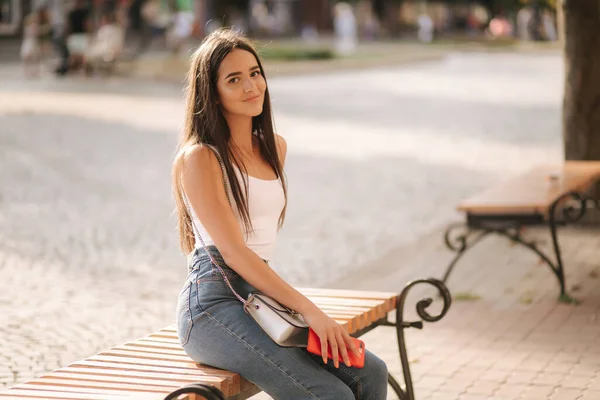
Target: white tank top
(265,203)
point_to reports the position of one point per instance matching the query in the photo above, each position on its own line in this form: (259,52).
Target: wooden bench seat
(533,192)
(544,195)
(155,365)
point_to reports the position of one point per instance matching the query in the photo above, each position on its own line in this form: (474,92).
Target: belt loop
(190,259)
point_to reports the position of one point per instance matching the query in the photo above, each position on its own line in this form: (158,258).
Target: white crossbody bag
(285,326)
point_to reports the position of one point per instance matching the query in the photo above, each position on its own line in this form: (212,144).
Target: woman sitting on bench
(233,218)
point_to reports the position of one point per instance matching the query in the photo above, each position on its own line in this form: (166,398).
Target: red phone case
(314,347)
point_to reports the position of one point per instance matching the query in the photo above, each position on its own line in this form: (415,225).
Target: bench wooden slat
(349,294)
(98,376)
(532,192)
(355,309)
(108,365)
(90,390)
(378,307)
(149,349)
(142,361)
(55,381)
(369,313)
(154,344)
(154,339)
(374,305)
(106,372)
(349,302)
(18,393)
(145,355)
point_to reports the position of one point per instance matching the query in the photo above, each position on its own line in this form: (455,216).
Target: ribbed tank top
(265,203)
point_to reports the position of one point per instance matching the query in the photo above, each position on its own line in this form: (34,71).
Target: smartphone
(314,347)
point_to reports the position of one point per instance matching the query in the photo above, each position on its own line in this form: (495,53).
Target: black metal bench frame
(568,208)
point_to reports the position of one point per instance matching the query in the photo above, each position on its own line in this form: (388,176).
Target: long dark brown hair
(205,124)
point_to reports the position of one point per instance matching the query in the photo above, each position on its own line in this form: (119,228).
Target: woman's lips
(253,98)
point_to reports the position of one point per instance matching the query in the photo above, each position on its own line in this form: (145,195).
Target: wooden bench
(156,365)
(550,194)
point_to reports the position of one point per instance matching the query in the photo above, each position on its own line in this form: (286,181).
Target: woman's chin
(256,112)
(247,111)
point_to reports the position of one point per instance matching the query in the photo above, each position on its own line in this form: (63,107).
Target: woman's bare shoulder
(281,147)
(199,157)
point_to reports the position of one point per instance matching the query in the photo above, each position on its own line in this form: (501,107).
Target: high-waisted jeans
(214,330)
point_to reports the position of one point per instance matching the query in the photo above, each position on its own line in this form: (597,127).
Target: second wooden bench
(551,195)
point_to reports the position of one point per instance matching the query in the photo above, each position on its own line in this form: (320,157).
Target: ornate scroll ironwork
(459,243)
(408,393)
(561,212)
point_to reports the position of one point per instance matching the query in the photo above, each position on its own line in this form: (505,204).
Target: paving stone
(538,392)
(511,390)
(566,394)
(590,395)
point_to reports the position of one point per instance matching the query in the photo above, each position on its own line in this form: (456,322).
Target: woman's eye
(234,80)
(255,73)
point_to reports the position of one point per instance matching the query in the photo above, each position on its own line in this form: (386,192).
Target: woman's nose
(248,85)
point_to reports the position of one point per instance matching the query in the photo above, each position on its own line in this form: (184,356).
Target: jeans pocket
(184,315)
(228,272)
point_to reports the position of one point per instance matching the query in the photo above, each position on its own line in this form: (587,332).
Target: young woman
(229,124)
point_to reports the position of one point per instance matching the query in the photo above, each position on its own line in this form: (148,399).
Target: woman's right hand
(331,334)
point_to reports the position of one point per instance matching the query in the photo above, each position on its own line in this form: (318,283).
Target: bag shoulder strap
(195,228)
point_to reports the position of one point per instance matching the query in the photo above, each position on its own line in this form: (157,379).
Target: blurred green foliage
(295,53)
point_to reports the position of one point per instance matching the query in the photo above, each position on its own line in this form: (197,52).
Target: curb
(175,69)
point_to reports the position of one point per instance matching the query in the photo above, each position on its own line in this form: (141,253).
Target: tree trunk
(581,105)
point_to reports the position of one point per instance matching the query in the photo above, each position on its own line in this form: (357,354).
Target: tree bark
(581,104)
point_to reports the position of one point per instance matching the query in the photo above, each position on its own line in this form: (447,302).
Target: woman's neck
(241,133)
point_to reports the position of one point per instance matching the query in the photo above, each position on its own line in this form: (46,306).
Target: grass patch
(466,296)
(486,42)
(295,53)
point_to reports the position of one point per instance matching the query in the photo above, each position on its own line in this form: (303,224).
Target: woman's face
(240,84)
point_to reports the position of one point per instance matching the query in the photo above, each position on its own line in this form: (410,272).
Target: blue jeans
(214,330)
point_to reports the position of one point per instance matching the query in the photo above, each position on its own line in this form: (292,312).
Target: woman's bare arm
(203,184)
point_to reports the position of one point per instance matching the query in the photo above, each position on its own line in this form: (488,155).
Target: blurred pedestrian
(181,28)
(344,23)
(31,51)
(139,30)
(78,33)
(500,27)
(549,26)
(59,34)
(524,17)
(106,45)
(157,18)
(425,32)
